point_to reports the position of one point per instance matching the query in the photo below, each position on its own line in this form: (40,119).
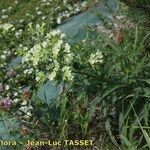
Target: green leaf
(108,128)
(129,144)
(147,138)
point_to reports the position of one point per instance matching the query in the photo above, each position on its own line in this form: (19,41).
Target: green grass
(27,11)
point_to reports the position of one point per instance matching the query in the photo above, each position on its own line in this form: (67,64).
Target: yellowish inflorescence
(7,27)
(96,58)
(51,58)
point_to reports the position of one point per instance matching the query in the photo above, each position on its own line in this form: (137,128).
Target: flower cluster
(7,27)
(50,58)
(25,110)
(6,102)
(95,58)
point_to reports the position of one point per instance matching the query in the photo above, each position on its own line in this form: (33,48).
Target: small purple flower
(7,102)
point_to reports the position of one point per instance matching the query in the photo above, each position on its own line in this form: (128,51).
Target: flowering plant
(51,58)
